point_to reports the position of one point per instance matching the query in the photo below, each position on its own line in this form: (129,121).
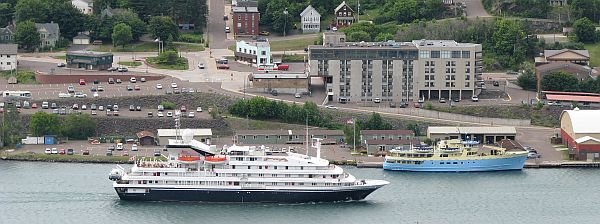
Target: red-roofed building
(568,98)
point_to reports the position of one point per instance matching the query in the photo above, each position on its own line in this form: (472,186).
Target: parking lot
(94,150)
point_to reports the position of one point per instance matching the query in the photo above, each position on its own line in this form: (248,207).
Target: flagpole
(307,134)
(354,138)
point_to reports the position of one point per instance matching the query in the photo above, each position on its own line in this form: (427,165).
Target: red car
(33,105)
(417,105)
(136,87)
(62,151)
(81,81)
(222,66)
(283,67)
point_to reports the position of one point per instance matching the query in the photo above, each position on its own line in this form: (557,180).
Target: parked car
(160,114)
(85,152)
(150,114)
(119,81)
(132,80)
(200,65)
(274,92)
(297,95)
(109,153)
(136,87)
(80,95)
(101,108)
(45,105)
(173,85)
(417,105)
(330,107)
(70,89)
(96,82)
(93,89)
(198,109)
(169,114)
(227,30)
(26,105)
(62,111)
(34,106)
(176,91)
(55,111)
(264,33)
(93,107)
(54,151)
(160,107)
(84,107)
(532,154)
(169,91)
(442,100)
(134,147)
(377,100)
(62,151)
(61,64)
(111,81)
(156,152)
(122,69)
(475,98)
(54,106)
(100,88)
(496,83)
(184,90)
(94,113)
(138,108)
(131,108)
(115,107)
(191,114)
(48,151)
(129,88)
(120,146)
(158,86)
(70,152)
(456,100)
(142,79)
(191,90)
(81,81)
(183,109)
(112,69)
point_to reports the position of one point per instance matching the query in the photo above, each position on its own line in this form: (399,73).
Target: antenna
(177,124)
(316,143)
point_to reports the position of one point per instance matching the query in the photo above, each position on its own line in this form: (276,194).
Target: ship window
(447,162)
(286,167)
(441,162)
(455,162)
(260,167)
(461,162)
(248,167)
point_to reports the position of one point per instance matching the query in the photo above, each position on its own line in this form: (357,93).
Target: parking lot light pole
(285,13)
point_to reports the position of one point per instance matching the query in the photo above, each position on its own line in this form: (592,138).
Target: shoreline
(27,157)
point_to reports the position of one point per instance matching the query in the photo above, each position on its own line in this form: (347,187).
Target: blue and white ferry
(454,156)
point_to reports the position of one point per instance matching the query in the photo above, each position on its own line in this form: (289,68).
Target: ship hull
(458,165)
(246,196)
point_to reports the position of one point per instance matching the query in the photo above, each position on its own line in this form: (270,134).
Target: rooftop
(8,48)
(259,43)
(387,132)
(415,44)
(276,75)
(583,121)
(289,132)
(171,132)
(392,142)
(573,98)
(238,9)
(550,53)
(440,43)
(471,130)
(89,53)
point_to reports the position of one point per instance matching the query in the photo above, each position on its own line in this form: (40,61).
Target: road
(216,25)
(475,8)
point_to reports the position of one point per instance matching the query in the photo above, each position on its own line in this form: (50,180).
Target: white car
(191,90)
(80,95)
(334,28)
(169,114)
(48,151)
(173,85)
(96,94)
(83,107)
(64,95)
(71,89)
(100,108)
(160,114)
(158,86)
(191,114)
(134,147)
(377,100)
(54,151)
(297,95)
(474,98)
(330,107)
(132,80)
(199,109)
(201,66)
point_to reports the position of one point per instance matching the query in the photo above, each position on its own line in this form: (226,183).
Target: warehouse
(268,137)
(202,135)
(580,131)
(485,135)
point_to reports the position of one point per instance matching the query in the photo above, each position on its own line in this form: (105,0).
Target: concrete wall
(59,79)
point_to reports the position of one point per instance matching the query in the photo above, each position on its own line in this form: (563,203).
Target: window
(424,54)
(456,54)
(445,54)
(263,53)
(435,54)
(467,84)
(466,54)
(467,63)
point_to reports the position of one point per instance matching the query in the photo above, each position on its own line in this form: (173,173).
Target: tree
(384,37)
(79,126)
(352,134)
(6,13)
(560,81)
(42,123)
(167,58)
(34,10)
(138,27)
(375,122)
(11,130)
(527,80)
(163,28)
(415,128)
(584,30)
(121,34)
(27,35)
(359,36)
(509,42)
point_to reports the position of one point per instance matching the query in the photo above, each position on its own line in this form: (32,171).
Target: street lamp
(160,42)
(285,13)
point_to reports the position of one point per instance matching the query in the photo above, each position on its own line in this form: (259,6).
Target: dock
(565,164)
(369,165)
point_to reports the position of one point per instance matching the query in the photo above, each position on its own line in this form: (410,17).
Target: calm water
(32,192)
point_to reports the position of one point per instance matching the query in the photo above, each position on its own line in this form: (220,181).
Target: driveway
(475,8)
(216,25)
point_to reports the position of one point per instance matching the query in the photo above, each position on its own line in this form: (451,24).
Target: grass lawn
(187,47)
(23,77)
(594,50)
(292,45)
(182,64)
(62,57)
(242,124)
(231,48)
(294,58)
(130,63)
(137,47)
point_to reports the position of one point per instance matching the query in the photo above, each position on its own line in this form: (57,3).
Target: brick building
(245,21)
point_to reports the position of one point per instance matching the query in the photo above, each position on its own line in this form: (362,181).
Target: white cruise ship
(197,172)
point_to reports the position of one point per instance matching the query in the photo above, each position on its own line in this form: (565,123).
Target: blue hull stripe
(513,163)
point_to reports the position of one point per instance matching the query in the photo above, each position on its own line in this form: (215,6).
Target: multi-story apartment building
(245,21)
(395,71)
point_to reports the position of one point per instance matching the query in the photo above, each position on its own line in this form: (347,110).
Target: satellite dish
(187,135)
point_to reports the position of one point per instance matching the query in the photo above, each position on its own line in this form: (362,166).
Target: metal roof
(171,132)
(387,132)
(574,98)
(583,121)
(290,132)
(472,130)
(392,142)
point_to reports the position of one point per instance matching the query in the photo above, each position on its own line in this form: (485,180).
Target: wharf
(565,164)
(369,165)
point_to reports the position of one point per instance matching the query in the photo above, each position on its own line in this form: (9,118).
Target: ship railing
(253,186)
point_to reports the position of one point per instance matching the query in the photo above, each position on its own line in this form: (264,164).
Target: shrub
(168,105)
(190,38)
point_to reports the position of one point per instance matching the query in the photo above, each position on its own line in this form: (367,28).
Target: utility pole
(285,13)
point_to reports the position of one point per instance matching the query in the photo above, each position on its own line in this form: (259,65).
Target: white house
(311,20)
(8,57)
(85,6)
(257,52)
(81,39)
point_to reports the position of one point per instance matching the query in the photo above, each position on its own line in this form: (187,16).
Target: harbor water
(36,192)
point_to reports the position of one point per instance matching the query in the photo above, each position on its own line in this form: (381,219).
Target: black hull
(250,196)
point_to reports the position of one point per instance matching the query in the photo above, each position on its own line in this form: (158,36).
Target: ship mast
(177,125)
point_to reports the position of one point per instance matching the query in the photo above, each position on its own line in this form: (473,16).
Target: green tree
(384,37)
(359,36)
(27,35)
(584,30)
(138,27)
(560,81)
(79,126)
(6,13)
(168,105)
(34,10)
(164,28)
(509,42)
(11,129)
(415,128)
(375,122)
(168,57)
(121,34)
(68,17)
(527,80)
(352,134)
(42,123)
